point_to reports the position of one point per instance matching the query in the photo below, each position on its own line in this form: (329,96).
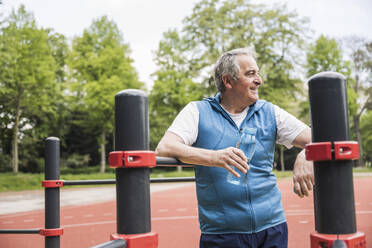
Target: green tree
(100,67)
(324,54)
(327,55)
(216,26)
(360,53)
(60,50)
(27,79)
(173,87)
(366,133)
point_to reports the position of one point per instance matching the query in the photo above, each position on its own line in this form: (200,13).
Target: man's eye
(252,73)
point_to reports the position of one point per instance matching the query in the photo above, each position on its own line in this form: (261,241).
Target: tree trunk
(15,133)
(15,145)
(356,119)
(103,152)
(282,167)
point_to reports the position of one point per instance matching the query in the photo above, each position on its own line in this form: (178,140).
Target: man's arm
(172,145)
(303,174)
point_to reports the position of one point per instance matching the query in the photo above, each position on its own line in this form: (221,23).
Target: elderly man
(231,140)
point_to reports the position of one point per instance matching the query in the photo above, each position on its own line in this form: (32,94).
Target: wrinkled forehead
(246,62)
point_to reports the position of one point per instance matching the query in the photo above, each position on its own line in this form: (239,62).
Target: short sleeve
(288,127)
(186,123)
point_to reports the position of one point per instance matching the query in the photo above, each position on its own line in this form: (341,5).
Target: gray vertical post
(132,185)
(333,193)
(52,155)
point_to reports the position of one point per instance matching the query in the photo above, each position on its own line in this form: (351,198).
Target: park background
(63,62)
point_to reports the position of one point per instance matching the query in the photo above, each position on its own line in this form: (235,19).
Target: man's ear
(227,81)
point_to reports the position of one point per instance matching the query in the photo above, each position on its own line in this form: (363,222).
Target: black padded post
(132,184)
(333,192)
(52,207)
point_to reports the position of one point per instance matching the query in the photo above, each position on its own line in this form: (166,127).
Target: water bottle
(247,143)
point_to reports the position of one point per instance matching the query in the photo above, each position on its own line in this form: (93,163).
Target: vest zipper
(251,208)
(249,193)
(248,188)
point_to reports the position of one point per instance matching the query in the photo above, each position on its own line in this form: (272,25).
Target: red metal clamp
(346,150)
(318,151)
(51,232)
(116,159)
(132,159)
(141,240)
(323,151)
(52,183)
(355,240)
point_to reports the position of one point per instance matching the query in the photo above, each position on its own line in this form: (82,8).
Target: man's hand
(303,175)
(229,158)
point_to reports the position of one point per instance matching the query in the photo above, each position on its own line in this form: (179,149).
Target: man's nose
(258,80)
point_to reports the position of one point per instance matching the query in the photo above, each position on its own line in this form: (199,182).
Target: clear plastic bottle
(247,143)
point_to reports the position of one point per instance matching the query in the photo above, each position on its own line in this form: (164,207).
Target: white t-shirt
(186,124)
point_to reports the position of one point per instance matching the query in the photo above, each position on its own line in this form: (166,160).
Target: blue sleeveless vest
(225,207)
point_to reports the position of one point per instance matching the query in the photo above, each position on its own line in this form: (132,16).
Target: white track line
(162,210)
(8,222)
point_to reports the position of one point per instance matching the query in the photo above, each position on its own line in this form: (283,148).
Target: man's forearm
(171,145)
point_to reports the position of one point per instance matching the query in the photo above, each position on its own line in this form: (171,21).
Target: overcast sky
(142,22)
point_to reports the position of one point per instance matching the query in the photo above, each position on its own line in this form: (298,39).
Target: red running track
(174,218)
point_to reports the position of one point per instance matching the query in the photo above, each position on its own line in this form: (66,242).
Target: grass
(20,181)
(362,169)
(27,181)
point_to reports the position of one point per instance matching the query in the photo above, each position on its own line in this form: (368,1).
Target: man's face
(249,80)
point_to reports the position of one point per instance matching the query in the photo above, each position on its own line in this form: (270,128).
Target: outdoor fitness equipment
(332,153)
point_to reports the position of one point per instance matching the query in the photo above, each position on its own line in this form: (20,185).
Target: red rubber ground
(174,218)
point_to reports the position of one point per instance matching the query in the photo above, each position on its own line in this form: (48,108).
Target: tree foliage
(100,67)
(366,133)
(185,58)
(27,79)
(325,55)
(50,88)
(359,51)
(173,87)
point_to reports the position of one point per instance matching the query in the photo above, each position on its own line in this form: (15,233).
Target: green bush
(31,165)
(75,161)
(83,170)
(5,162)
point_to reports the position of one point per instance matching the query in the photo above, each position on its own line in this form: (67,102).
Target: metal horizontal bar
(19,231)
(118,243)
(89,182)
(113,181)
(164,161)
(172,179)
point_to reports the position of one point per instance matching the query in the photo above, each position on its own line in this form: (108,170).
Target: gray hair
(227,65)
